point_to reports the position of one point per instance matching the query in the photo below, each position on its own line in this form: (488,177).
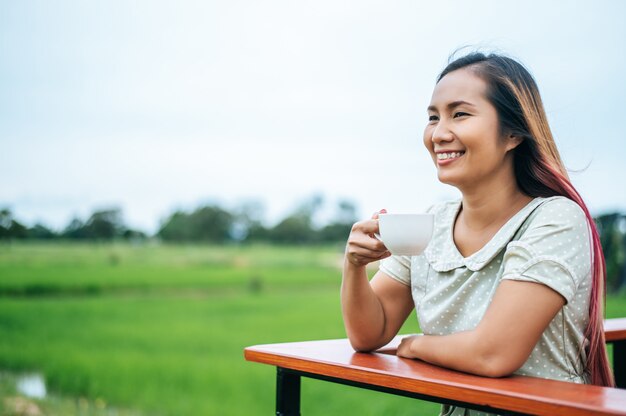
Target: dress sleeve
(397,267)
(553,248)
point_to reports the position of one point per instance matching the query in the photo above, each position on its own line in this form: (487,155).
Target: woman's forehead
(460,85)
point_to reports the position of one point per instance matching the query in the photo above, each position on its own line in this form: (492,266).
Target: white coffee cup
(406,234)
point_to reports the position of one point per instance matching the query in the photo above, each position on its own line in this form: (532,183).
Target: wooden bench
(335,361)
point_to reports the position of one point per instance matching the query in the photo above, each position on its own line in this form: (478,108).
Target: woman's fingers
(367,253)
(363,247)
(364,257)
(375,215)
(366,240)
(369,227)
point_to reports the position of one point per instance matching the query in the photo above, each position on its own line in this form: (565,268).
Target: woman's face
(462,133)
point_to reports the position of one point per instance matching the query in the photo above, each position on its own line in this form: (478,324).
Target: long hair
(539,172)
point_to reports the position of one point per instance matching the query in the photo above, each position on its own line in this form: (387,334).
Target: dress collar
(442,253)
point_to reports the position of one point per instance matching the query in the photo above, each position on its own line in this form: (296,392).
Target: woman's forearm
(502,342)
(462,351)
(363,314)
(466,351)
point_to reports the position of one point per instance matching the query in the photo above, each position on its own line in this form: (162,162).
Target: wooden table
(336,361)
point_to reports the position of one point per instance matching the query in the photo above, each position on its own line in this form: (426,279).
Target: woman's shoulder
(557,210)
(556,202)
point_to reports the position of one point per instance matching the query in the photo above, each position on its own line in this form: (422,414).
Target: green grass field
(160,330)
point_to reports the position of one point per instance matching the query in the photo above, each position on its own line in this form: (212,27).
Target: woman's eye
(460,114)
(433,118)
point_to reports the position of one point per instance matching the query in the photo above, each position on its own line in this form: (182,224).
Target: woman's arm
(373,312)
(504,338)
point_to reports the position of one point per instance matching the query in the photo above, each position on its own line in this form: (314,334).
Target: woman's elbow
(360,344)
(498,365)
(361,348)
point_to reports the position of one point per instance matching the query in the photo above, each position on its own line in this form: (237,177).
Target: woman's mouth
(444,158)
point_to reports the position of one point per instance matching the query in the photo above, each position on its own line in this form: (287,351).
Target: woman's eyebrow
(451,105)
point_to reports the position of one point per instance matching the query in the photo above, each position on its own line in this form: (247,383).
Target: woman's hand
(363,247)
(404,349)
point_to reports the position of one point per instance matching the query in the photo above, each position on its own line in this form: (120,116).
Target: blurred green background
(157,329)
(160,329)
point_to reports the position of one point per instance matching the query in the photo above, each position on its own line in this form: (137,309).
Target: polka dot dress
(547,242)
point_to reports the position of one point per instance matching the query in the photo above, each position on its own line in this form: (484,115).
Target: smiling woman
(463,137)
(520,243)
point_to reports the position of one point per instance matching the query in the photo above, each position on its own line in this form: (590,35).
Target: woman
(513,279)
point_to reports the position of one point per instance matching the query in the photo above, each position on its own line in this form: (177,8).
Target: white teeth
(451,155)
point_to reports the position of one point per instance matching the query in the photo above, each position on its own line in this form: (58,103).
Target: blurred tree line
(102,225)
(215,224)
(209,224)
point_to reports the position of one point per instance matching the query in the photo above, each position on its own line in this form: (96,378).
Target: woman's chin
(447,179)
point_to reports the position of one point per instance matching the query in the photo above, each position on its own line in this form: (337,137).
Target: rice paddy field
(120,329)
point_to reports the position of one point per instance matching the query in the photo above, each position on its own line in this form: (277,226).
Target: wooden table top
(336,358)
(615,329)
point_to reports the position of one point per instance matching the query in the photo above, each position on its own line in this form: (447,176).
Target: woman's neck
(483,215)
(492,207)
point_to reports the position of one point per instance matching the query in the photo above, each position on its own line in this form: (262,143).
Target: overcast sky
(153,106)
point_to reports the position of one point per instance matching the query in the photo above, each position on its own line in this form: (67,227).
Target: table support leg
(287,393)
(619,363)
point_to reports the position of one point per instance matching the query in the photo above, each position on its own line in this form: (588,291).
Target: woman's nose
(441,133)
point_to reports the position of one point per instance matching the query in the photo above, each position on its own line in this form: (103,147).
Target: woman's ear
(513,141)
